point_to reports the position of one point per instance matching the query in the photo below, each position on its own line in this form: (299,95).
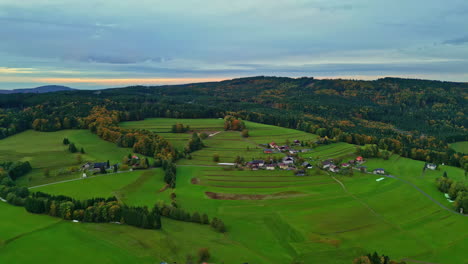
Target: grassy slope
(325,224)
(45,150)
(51,240)
(461,146)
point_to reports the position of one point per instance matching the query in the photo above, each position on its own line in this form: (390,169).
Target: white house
(431,166)
(379,171)
(270,167)
(288,160)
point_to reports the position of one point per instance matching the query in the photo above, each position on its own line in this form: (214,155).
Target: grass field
(273,217)
(45,150)
(461,146)
(43,239)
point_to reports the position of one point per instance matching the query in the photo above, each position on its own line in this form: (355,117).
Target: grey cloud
(457,41)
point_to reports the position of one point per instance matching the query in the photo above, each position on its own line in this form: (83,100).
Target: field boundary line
(7,241)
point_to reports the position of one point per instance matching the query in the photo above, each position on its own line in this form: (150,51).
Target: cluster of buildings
(356,164)
(275,148)
(287,163)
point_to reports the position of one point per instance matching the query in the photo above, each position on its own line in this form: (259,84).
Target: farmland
(271,216)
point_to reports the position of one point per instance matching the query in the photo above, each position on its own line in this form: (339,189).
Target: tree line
(456,190)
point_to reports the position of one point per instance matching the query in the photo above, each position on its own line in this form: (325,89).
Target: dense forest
(413,118)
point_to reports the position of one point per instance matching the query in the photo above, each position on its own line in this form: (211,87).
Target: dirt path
(214,134)
(80,178)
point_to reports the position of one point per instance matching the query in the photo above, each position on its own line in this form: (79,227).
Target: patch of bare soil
(164,188)
(195,181)
(236,196)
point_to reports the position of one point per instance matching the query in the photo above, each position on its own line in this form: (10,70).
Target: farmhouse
(345,165)
(379,171)
(283,148)
(362,169)
(307,165)
(95,166)
(260,163)
(267,151)
(273,145)
(283,166)
(270,167)
(297,142)
(334,168)
(359,159)
(326,164)
(431,166)
(288,160)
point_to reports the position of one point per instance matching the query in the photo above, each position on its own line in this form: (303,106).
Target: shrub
(203,254)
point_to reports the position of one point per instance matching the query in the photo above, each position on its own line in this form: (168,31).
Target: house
(362,169)
(297,142)
(283,166)
(254,167)
(267,151)
(87,166)
(345,165)
(97,166)
(293,151)
(270,166)
(359,159)
(431,166)
(283,148)
(352,162)
(259,163)
(288,160)
(379,171)
(334,168)
(307,165)
(326,164)
(273,145)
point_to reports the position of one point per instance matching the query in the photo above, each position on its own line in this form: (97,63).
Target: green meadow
(46,150)
(461,146)
(272,217)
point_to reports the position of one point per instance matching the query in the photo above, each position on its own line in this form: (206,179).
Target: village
(292,162)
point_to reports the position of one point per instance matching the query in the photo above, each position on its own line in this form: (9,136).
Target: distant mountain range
(41,89)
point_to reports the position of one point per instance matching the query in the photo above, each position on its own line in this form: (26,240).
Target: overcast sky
(102,43)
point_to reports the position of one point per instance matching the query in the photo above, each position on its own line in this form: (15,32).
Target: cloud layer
(91,44)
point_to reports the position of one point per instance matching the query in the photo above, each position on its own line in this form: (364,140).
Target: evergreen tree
(66,141)
(72,148)
(196,217)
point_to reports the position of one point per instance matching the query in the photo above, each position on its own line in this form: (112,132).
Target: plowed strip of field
(232,196)
(218,180)
(248,176)
(266,187)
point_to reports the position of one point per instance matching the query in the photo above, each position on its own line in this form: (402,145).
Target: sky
(99,44)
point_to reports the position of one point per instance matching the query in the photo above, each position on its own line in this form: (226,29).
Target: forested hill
(419,114)
(41,89)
